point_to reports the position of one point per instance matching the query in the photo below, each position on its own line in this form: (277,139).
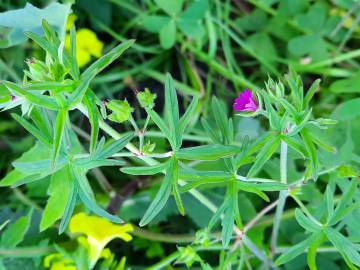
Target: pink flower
(245,102)
(13,98)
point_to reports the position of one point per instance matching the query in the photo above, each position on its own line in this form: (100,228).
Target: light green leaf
(227,223)
(168,35)
(70,206)
(170,7)
(146,170)
(58,134)
(306,222)
(347,249)
(155,23)
(312,152)
(264,155)
(163,194)
(207,152)
(59,190)
(93,115)
(15,232)
(296,250)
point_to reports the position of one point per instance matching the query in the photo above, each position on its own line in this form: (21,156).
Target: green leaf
(73,62)
(306,222)
(296,250)
(163,194)
(58,134)
(55,14)
(40,100)
(347,249)
(204,181)
(207,152)
(161,125)
(264,155)
(15,232)
(172,110)
(212,176)
(113,147)
(184,121)
(87,197)
(312,152)
(221,119)
(178,200)
(59,189)
(341,208)
(69,207)
(252,189)
(295,144)
(155,23)
(93,115)
(170,7)
(227,223)
(311,92)
(168,35)
(32,130)
(347,110)
(146,170)
(264,186)
(94,69)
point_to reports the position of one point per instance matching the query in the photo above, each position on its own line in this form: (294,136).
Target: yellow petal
(99,228)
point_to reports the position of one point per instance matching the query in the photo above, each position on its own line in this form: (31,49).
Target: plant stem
(282,196)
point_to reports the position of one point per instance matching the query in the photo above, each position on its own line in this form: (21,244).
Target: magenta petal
(245,102)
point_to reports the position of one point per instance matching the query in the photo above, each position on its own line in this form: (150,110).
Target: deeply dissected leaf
(59,194)
(163,194)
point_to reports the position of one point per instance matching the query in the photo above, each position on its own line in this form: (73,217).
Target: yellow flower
(56,261)
(98,232)
(87,45)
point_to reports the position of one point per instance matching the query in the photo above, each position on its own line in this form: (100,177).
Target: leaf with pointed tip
(163,194)
(306,222)
(114,147)
(93,115)
(145,170)
(184,120)
(207,152)
(264,155)
(69,207)
(59,192)
(227,223)
(298,249)
(58,134)
(312,152)
(15,232)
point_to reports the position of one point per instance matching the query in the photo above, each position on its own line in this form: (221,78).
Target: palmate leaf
(163,194)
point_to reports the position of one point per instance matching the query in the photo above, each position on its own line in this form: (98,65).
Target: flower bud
(146,98)
(121,110)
